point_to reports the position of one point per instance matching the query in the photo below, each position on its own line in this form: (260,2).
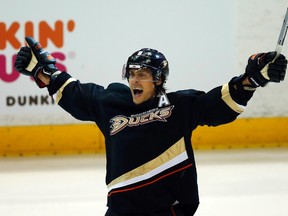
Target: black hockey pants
(177,210)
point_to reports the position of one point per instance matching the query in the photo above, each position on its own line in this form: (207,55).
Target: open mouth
(137,91)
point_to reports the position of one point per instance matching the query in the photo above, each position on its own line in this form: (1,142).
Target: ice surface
(231,182)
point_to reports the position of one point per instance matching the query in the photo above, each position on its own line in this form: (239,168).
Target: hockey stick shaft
(282,35)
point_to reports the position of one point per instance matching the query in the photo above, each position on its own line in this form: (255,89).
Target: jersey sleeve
(80,100)
(221,105)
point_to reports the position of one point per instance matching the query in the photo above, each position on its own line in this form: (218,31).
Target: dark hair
(160,89)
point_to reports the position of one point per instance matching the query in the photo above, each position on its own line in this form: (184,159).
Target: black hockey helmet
(148,58)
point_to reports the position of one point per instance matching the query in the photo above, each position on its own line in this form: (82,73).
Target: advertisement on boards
(93,40)
(205,42)
(21,100)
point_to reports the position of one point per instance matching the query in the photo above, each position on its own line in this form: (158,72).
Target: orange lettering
(9,35)
(29,29)
(55,35)
(70,25)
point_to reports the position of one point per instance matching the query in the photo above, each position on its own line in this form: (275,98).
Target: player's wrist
(44,77)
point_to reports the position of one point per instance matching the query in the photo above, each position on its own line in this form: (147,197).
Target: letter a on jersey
(163,100)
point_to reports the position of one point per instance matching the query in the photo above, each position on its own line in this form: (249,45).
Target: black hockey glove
(30,61)
(261,69)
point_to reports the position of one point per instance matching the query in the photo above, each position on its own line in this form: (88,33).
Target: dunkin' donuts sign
(12,37)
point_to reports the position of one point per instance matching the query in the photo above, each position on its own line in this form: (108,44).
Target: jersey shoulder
(116,93)
(118,87)
(188,93)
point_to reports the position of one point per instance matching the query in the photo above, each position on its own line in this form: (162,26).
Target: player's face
(142,85)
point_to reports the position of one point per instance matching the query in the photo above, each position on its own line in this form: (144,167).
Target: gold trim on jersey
(171,157)
(226,97)
(59,92)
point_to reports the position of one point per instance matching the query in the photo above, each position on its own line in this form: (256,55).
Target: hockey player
(151,170)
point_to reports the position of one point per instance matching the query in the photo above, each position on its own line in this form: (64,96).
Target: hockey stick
(282,35)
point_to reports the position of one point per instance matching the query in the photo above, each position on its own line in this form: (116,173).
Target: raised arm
(223,104)
(33,61)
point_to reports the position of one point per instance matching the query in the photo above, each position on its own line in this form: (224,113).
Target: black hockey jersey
(150,160)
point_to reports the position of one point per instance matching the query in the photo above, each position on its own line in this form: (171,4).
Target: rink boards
(87,138)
